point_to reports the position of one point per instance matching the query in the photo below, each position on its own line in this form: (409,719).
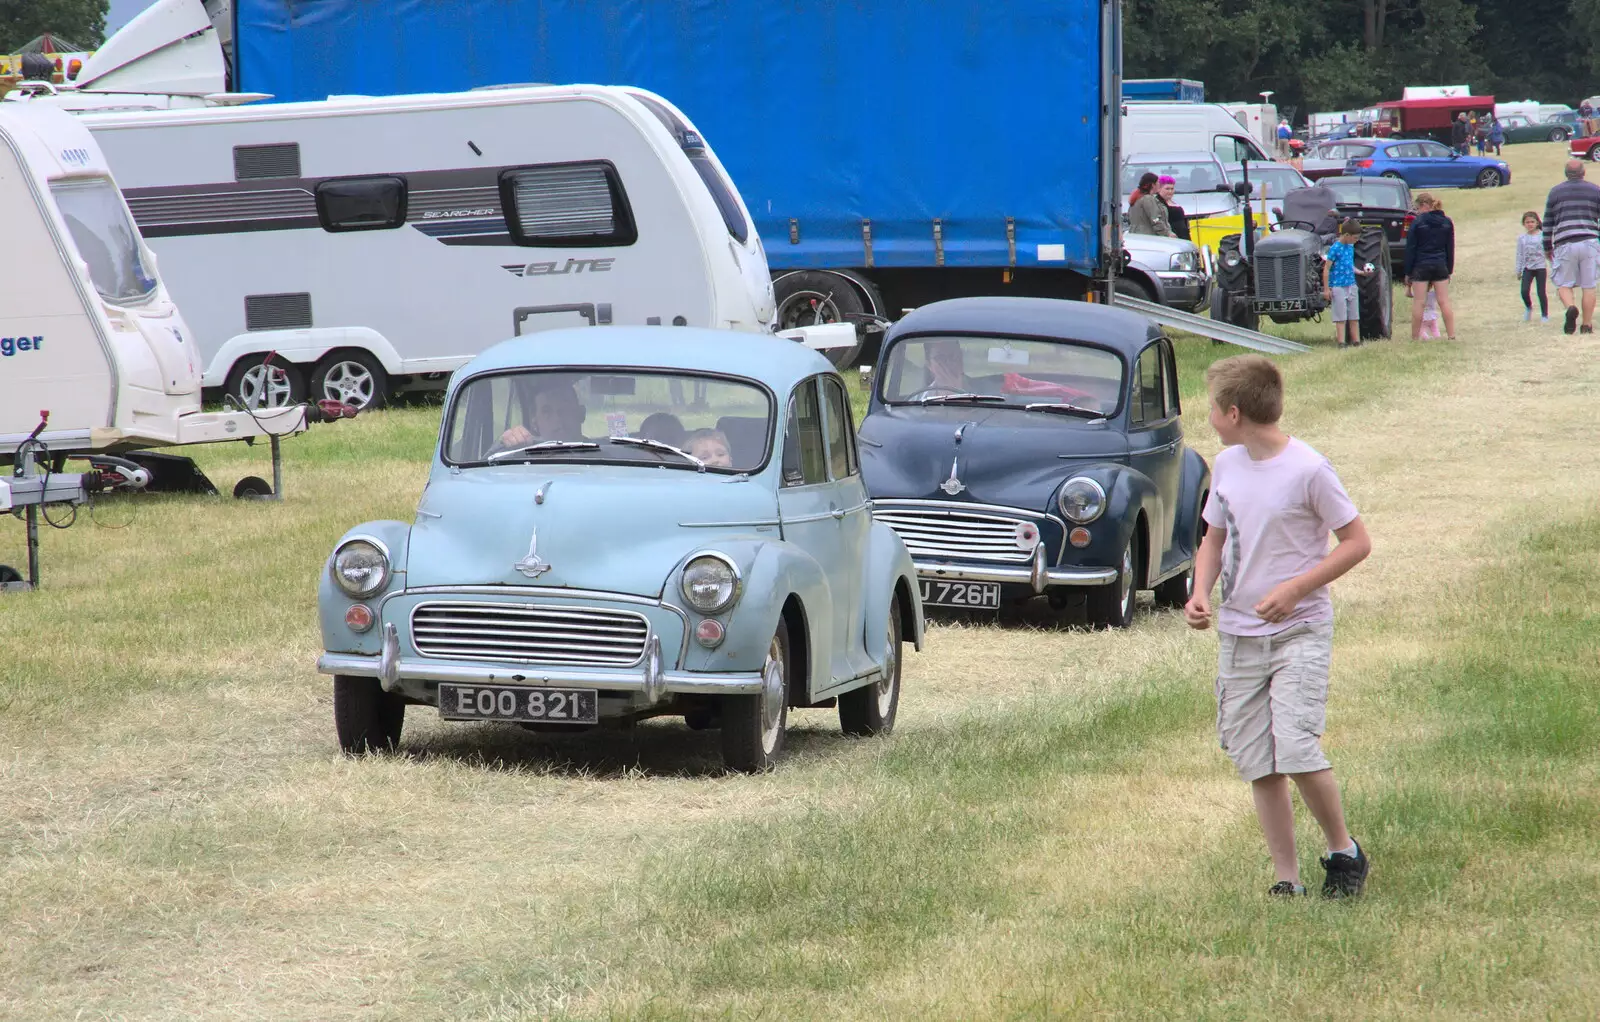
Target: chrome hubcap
(348,383)
(772,698)
(884,689)
(1127,578)
(264,387)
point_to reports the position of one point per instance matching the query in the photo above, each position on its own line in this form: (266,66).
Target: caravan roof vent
(277,312)
(253,162)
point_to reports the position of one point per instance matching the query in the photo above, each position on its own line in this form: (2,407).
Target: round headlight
(1082,500)
(360,568)
(710,583)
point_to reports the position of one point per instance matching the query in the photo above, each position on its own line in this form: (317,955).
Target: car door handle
(836,511)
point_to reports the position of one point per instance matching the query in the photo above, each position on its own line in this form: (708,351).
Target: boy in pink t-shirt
(1273,503)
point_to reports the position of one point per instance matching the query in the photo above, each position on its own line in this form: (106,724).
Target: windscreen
(1189,176)
(1006,371)
(591,416)
(104,236)
(1272,180)
(1379,193)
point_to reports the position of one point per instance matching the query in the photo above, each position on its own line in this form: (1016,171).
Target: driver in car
(946,369)
(555,414)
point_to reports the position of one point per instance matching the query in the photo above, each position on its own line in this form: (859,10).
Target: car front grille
(1279,277)
(954,531)
(518,633)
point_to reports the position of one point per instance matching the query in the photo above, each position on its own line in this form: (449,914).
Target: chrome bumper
(1037,574)
(648,678)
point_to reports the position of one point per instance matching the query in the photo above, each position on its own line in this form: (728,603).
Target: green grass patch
(1483,897)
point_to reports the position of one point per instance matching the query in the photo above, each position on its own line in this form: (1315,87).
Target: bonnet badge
(533,565)
(954,485)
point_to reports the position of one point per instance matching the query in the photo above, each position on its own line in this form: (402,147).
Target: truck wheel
(752,726)
(1111,606)
(254,385)
(367,718)
(870,711)
(352,377)
(810,297)
(1135,289)
(1244,316)
(1489,178)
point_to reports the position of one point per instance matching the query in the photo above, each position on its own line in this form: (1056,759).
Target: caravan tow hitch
(28,490)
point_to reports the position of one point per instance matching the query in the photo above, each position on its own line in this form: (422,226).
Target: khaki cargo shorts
(1272,699)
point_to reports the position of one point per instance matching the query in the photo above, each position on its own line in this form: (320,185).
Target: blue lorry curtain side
(828,112)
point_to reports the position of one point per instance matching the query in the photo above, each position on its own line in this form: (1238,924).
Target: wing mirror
(1277,211)
(1241,189)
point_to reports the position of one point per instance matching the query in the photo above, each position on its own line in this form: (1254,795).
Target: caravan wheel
(351,377)
(255,385)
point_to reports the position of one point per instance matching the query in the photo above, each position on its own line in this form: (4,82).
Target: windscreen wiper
(940,399)
(1063,408)
(544,447)
(657,445)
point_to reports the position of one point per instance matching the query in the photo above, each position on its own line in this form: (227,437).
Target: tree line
(1347,54)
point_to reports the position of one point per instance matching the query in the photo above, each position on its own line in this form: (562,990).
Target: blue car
(1424,163)
(622,523)
(1028,447)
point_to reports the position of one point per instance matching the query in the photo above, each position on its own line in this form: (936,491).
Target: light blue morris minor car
(624,523)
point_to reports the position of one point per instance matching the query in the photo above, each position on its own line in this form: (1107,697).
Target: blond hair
(1250,383)
(1425,201)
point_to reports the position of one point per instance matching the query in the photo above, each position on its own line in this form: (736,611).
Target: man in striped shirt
(1572,240)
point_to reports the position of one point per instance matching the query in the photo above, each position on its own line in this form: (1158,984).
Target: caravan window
(716,183)
(105,238)
(567,205)
(362,203)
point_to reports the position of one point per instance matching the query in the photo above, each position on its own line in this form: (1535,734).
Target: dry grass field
(1051,832)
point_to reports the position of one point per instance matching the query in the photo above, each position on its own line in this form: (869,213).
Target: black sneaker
(1572,320)
(1347,874)
(1586,330)
(1286,889)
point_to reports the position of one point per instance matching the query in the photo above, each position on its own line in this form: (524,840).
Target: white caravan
(1260,121)
(88,331)
(379,243)
(1175,127)
(168,57)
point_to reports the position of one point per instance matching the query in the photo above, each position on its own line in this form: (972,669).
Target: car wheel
(1488,178)
(870,711)
(753,725)
(1175,591)
(351,377)
(1558,134)
(1135,289)
(1594,153)
(1394,175)
(810,297)
(1111,606)
(367,718)
(255,385)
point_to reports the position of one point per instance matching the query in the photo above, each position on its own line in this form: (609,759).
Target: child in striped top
(1531,266)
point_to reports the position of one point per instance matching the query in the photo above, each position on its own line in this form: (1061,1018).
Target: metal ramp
(1207,327)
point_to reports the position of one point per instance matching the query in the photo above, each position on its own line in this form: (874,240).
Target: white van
(88,331)
(1175,127)
(379,243)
